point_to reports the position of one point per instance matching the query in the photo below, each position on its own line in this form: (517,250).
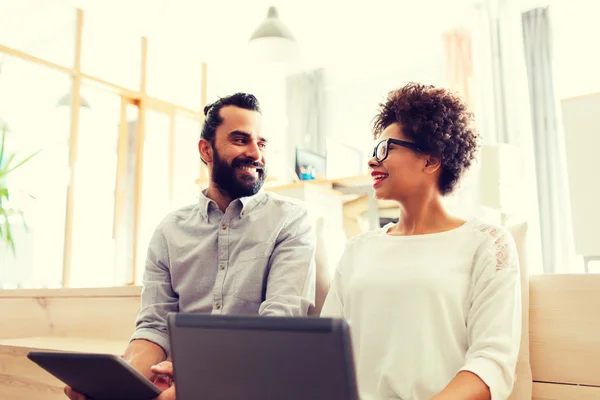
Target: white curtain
(306,113)
(550,157)
(501,94)
(501,104)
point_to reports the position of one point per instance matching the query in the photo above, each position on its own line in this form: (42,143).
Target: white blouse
(422,308)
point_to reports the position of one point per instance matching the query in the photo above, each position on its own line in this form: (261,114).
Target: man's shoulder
(276,201)
(178,215)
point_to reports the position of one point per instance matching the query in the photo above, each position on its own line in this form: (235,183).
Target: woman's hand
(465,386)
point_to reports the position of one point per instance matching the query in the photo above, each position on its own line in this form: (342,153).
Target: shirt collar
(204,203)
(248,203)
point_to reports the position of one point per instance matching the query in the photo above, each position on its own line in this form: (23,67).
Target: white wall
(582,137)
(576,47)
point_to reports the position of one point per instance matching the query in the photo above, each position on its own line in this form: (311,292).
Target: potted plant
(7,165)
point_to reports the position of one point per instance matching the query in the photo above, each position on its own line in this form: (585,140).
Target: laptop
(261,358)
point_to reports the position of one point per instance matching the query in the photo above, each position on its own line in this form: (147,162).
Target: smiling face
(405,172)
(236,158)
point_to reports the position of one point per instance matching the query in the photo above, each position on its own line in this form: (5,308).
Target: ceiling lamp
(66,101)
(272,41)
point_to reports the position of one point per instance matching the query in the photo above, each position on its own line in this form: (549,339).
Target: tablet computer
(98,376)
(268,358)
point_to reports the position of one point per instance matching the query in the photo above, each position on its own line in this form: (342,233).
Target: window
(174,73)
(29,95)
(187,162)
(49,32)
(111,53)
(94,190)
(155,181)
(90,202)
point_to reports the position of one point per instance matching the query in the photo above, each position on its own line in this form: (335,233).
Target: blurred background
(107,96)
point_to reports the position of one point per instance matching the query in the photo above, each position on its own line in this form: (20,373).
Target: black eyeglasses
(381,150)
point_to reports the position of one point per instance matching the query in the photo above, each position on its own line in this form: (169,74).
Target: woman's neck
(423,216)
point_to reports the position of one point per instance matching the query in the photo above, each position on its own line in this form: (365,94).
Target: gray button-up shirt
(256,258)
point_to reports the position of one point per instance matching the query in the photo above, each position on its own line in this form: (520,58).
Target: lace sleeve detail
(495,315)
(500,248)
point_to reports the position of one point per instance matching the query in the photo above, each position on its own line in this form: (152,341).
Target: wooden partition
(564,334)
(564,315)
(86,320)
(107,313)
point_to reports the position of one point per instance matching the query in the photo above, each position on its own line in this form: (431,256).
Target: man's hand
(163,379)
(142,354)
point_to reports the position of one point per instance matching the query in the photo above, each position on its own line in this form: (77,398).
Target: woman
(433,301)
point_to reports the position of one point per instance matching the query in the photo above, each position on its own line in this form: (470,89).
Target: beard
(228,180)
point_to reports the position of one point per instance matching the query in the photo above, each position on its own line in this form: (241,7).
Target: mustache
(247,162)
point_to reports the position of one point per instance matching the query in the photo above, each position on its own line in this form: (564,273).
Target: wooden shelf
(117,291)
(75,344)
(350,181)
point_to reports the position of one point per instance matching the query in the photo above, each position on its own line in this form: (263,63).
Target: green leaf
(8,239)
(5,165)
(22,214)
(2,145)
(20,163)
(6,161)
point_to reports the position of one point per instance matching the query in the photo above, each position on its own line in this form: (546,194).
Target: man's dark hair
(438,121)
(213,119)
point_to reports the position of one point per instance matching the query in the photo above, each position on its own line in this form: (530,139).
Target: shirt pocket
(257,251)
(250,271)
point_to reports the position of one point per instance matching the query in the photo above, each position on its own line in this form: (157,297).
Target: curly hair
(438,121)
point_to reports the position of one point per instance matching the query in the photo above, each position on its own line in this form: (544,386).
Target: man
(240,250)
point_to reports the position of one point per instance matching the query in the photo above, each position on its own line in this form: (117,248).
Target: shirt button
(221,267)
(224,226)
(218,306)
